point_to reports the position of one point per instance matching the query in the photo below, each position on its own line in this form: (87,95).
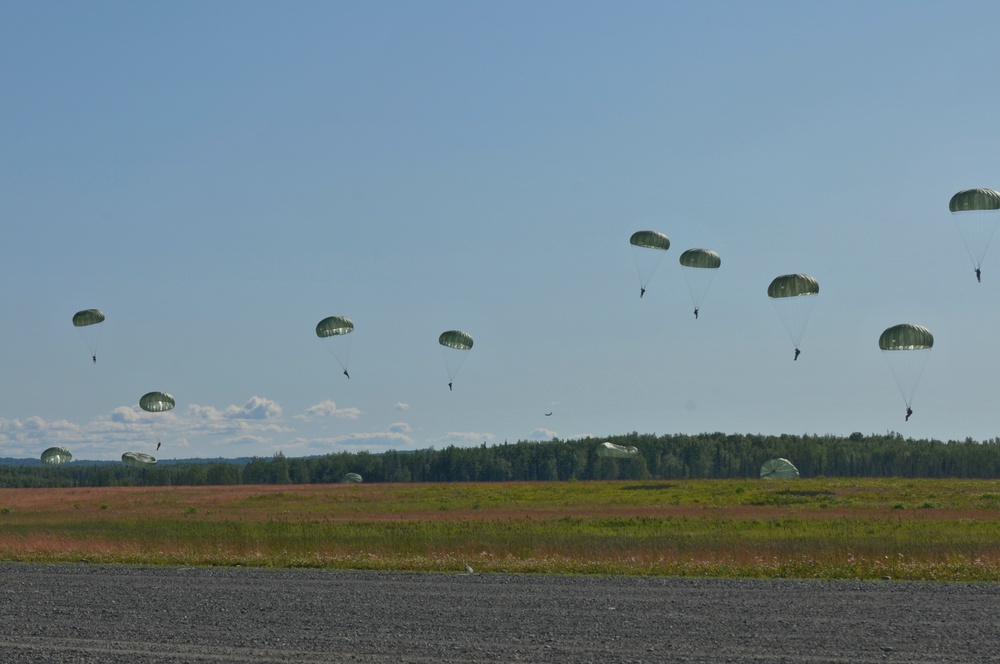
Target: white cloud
(401,406)
(400,427)
(542,434)
(256,408)
(329,409)
(465,436)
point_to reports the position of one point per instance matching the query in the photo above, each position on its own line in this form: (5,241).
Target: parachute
(454,346)
(156,402)
(138,459)
(699,272)
(778,469)
(905,348)
(793,296)
(976,212)
(647,250)
(56,455)
(87,324)
(337,329)
(607,449)
(351,478)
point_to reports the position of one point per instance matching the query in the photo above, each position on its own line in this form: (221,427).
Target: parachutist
(909,411)
(94,358)
(979,275)
(449,387)
(797,353)
(347,374)
(696,314)
(642,291)
(158,443)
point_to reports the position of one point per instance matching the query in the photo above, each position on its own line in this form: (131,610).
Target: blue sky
(217,177)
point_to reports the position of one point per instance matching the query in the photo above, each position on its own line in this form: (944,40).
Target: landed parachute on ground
(700,266)
(778,469)
(87,323)
(648,249)
(905,348)
(976,212)
(793,296)
(138,459)
(455,345)
(351,478)
(338,330)
(607,449)
(55,455)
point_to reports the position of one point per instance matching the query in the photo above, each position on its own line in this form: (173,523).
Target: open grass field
(814,528)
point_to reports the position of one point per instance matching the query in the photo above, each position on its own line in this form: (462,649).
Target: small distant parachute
(778,469)
(454,346)
(56,455)
(700,266)
(156,402)
(905,348)
(351,478)
(607,449)
(87,323)
(338,330)
(138,459)
(793,296)
(976,212)
(648,249)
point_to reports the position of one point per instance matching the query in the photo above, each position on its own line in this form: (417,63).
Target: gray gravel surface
(83,613)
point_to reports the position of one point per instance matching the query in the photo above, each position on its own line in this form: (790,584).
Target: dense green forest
(707,455)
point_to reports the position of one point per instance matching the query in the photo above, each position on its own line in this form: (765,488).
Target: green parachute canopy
(976,212)
(456,339)
(156,402)
(905,348)
(792,285)
(87,317)
(454,347)
(607,449)
(138,459)
(700,266)
(704,258)
(336,333)
(55,455)
(334,326)
(793,296)
(650,240)
(906,336)
(351,478)
(86,323)
(778,469)
(648,249)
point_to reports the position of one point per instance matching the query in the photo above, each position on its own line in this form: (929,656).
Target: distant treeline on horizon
(667,457)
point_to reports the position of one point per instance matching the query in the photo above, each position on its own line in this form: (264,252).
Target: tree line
(671,456)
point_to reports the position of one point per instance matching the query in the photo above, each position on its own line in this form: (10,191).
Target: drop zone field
(811,528)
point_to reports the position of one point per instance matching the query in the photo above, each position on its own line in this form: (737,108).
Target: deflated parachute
(778,469)
(138,459)
(55,455)
(351,478)
(607,449)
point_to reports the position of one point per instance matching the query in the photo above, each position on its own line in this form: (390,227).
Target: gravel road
(83,613)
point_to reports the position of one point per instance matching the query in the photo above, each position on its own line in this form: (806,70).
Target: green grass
(819,528)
